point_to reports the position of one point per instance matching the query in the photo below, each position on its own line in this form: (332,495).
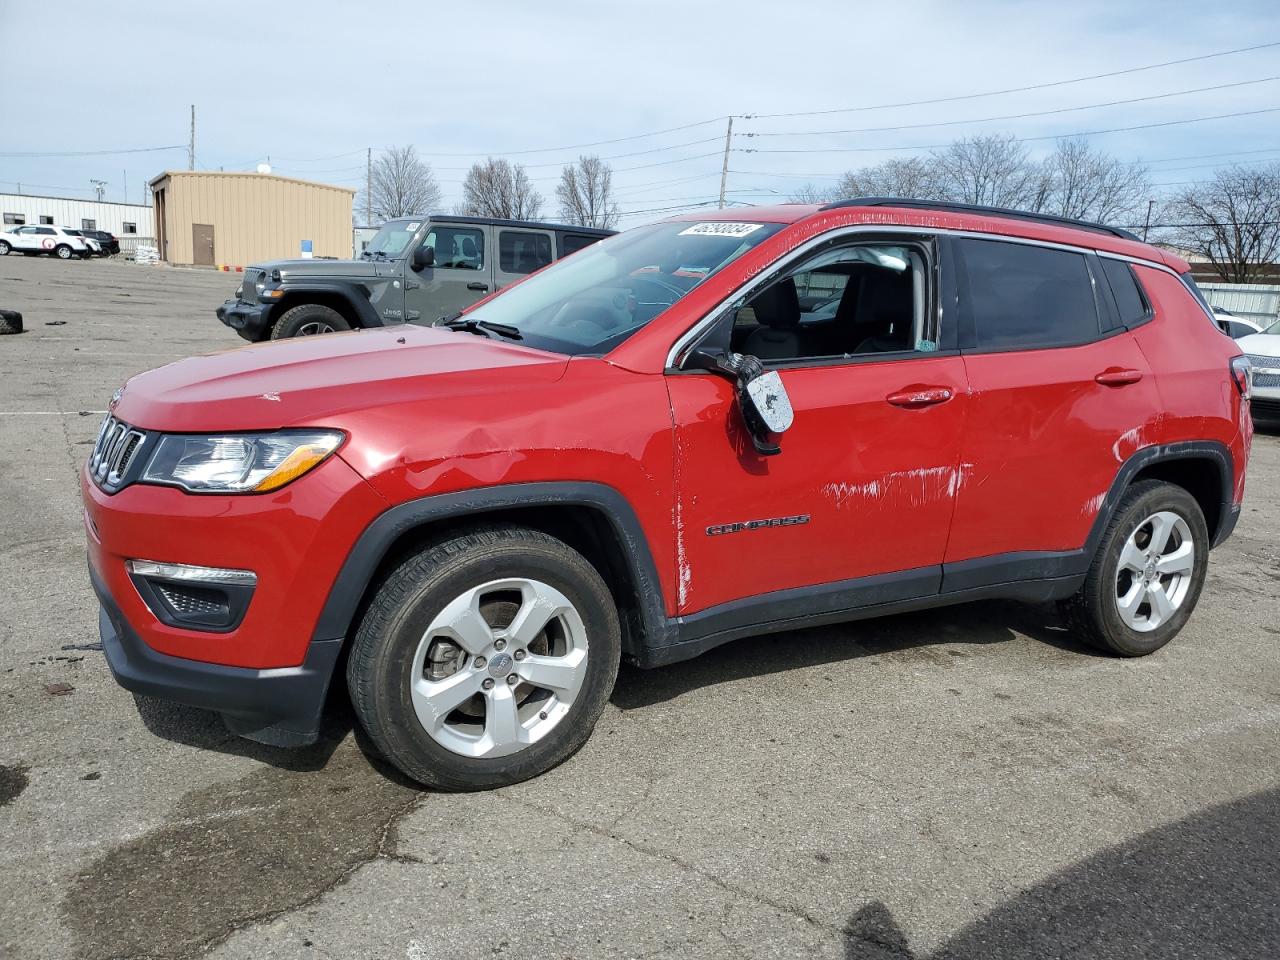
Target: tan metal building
(212,218)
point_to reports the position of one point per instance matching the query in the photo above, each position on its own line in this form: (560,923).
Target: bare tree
(1078,181)
(497,188)
(585,193)
(992,170)
(913,178)
(1231,221)
(811,193)
(402,185)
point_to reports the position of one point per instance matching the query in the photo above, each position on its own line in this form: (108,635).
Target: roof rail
(978,208)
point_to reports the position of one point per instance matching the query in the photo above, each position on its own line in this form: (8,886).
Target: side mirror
(763,399)
(424,256)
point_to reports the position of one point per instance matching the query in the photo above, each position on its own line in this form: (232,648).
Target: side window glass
(573,242)
(521,252)
(458,248)
(48,231)
(850,301)
(1023,296)
(1124,286)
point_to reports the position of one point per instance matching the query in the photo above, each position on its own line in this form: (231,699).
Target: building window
(88,224)
(45,218)
(14,218)
(129,227)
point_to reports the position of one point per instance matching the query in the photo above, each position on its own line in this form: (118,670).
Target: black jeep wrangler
(414,270)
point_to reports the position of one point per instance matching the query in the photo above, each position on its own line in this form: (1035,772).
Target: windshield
(592,301)
(392,238)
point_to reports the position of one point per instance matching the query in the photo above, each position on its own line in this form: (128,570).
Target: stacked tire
(10,321)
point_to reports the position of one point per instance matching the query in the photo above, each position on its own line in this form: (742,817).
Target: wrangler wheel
(308,320)
(485,659)
(1147,575)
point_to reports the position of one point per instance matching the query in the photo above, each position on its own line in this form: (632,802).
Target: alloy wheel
(313,328)
(1155,572)
(499,667)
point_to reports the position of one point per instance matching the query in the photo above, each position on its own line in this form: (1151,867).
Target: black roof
(978,208)
(494,221)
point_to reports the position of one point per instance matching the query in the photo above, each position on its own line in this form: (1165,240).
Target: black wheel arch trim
(348,590)
(355,294)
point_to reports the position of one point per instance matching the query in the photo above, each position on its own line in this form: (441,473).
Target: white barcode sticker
(722,228)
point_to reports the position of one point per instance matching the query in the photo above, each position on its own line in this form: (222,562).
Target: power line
(1012,116)
(1050,136)
(39,155)
(579,146)
(1034,86)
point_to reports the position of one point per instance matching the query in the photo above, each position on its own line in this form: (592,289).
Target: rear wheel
(308,320)
(1147,575)
(485,659)
(62,251)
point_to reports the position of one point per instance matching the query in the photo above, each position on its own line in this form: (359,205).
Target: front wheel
(308,320)
(485,659)
(1147,575)
(4,248)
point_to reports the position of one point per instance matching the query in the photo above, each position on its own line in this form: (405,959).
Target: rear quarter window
(1131,301)
(1025,297)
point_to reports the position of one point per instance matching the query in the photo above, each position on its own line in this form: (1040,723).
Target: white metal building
(128,221)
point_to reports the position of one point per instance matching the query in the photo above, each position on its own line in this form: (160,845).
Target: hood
(320,268)
(1260,344)
(314,380)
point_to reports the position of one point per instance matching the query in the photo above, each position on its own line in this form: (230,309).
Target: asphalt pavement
(969,783)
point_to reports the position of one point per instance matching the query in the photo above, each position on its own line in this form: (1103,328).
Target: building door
(202,244)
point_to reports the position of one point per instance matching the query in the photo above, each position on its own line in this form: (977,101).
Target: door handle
(473,285)
(1116,377)
(919,396)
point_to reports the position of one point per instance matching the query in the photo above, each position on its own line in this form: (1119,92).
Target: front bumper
(250,320)
(279,706)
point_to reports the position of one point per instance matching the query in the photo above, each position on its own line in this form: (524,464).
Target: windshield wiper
(483,327)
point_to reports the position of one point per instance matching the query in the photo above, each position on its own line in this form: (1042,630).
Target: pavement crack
(654,853)
(381,851)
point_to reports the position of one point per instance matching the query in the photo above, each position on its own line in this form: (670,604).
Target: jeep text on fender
(701,429)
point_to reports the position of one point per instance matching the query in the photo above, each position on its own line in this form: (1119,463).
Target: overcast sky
(312,85)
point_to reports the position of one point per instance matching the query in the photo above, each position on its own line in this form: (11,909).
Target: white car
(1263,351)
(95,248)
(54,241)
(1233,326)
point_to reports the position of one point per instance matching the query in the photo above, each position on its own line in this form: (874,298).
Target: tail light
(1241,371)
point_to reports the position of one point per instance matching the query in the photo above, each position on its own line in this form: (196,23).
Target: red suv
(711,427)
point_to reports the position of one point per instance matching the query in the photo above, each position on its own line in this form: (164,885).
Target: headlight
(239,463)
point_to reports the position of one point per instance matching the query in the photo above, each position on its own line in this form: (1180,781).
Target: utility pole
(99,188)
(191,145)
(724,168)
(368,187)
(1147,224)
(124,189)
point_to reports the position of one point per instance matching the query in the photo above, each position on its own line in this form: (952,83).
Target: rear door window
(1024,297)
(573,242)
(521,252)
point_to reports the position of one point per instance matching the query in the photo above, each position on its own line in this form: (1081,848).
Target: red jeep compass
(884,405)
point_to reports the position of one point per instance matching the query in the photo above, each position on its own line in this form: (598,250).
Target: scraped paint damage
(915,488)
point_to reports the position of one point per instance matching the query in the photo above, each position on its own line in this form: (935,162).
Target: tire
(307,320)
(1124,562)
(10,321)
(4,248)
(488,570)
(62,251)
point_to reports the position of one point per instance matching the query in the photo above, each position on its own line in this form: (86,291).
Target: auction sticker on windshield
(720,229)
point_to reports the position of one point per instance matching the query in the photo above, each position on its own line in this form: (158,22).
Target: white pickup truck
(33,240)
